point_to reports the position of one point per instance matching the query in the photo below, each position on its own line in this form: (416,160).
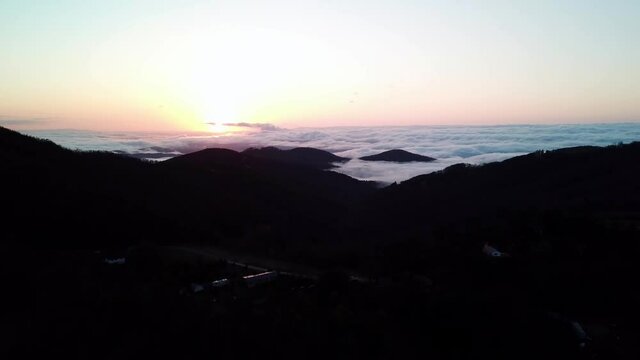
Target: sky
(152,65)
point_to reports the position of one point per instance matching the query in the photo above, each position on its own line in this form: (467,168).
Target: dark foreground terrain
(264,253)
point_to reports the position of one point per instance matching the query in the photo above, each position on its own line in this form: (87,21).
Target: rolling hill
(397,155)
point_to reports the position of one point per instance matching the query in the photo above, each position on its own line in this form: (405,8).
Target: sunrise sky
(180,65)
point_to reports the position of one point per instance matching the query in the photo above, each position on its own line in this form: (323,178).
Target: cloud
(448,144)
(261,126)
(20,123)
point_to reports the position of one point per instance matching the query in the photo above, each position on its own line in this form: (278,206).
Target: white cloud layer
(448,144)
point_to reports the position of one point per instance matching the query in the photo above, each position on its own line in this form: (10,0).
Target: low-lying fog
(448,144)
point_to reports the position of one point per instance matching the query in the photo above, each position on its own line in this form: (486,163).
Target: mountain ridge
(398,155)
(306,156)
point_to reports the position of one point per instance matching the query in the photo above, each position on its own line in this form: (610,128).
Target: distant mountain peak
(397,155)
(304,156)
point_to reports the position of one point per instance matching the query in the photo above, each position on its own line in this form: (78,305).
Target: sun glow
(217,128)
(223,73)
(238,75)
(222,129)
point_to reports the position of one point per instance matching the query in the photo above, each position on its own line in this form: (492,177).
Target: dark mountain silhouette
(241,192)
(216,194)
(570,179)
(569,220)
(211,158)
(568,205)
(290,175)
(315,158)
(582,180)
(397,155)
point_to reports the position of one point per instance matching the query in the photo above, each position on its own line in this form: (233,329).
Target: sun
(243,74)
(218,128)
(224,129)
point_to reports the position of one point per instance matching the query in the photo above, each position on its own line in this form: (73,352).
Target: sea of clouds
(448,144)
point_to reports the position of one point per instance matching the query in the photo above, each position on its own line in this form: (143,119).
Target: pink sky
(141,65)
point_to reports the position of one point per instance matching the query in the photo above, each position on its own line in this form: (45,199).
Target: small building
(256,279)
(219,283)
(493,252)
(117,261)
(196,287)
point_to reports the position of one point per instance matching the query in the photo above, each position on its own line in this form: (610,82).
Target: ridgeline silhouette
(318,159)
(397,155)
